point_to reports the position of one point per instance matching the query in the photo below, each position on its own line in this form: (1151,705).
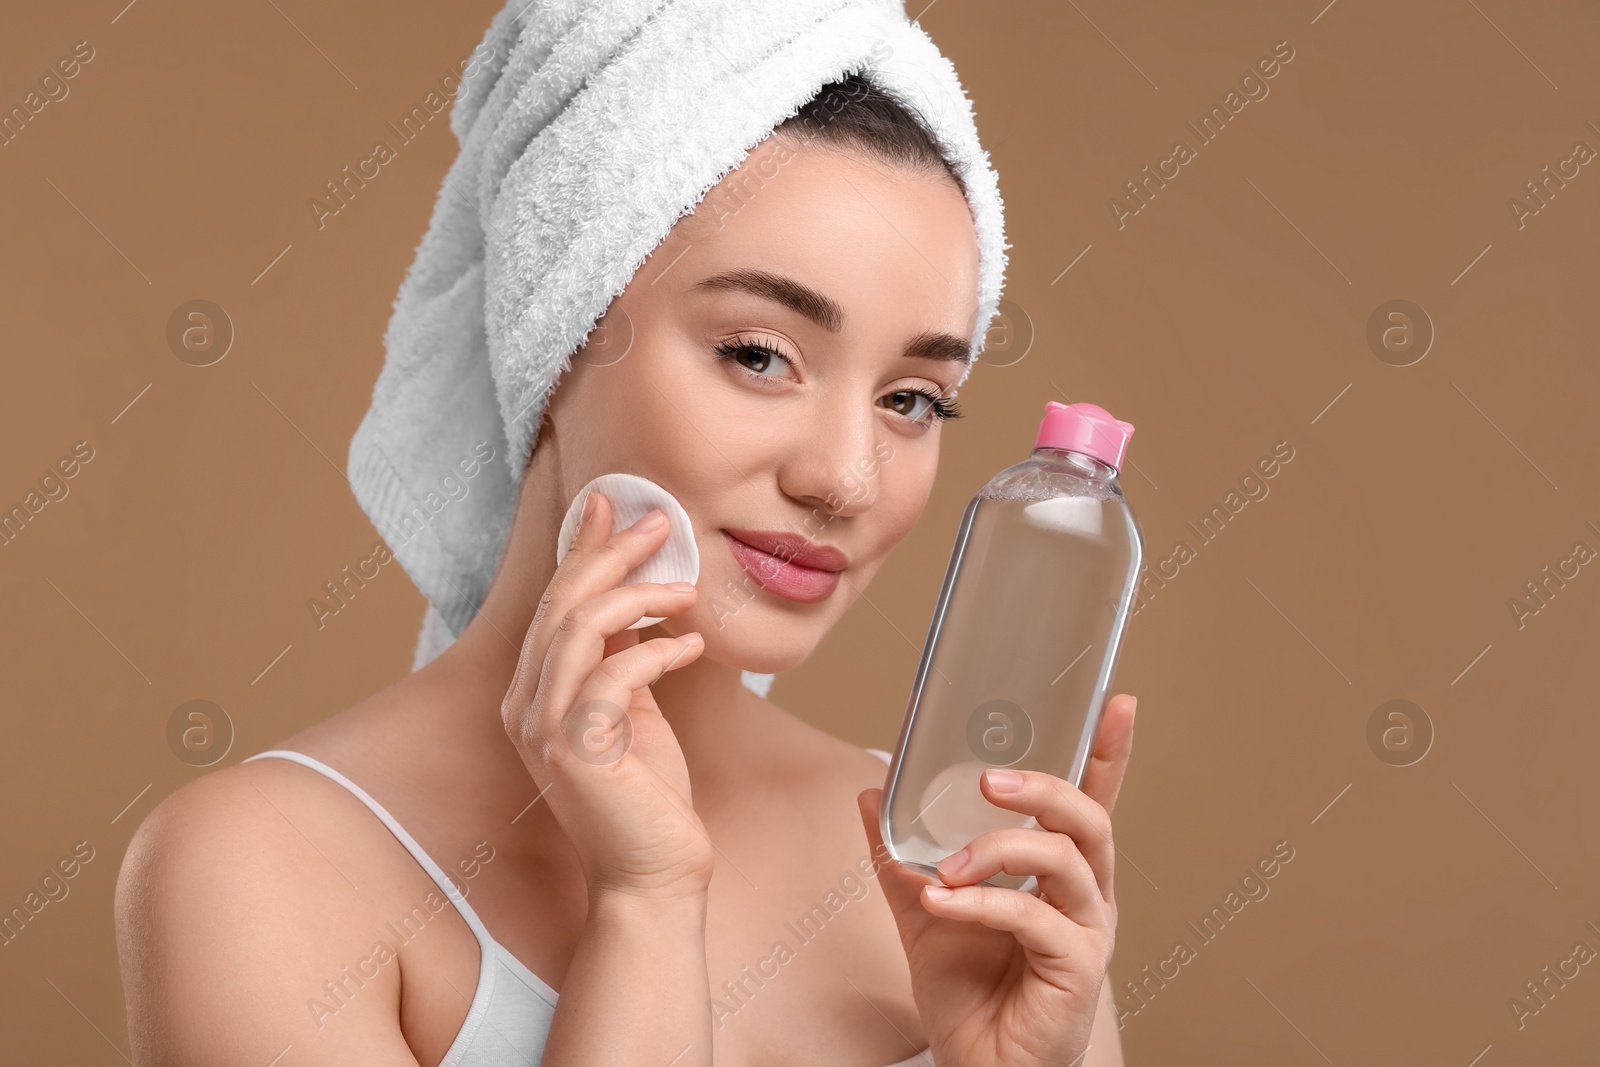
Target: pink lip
(784,575)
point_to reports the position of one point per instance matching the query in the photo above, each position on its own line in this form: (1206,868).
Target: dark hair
(853,112)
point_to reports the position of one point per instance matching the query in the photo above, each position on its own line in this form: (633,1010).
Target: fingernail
(588,508)
(1003,781)
(681,587)
(650,522)
(951,865)
(939,892)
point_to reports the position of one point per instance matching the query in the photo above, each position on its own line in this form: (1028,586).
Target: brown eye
(934,408)
(756,358)
(905,400)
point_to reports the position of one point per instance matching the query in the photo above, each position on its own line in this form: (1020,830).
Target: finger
(619,676)
(1108,762)
(599,557)
(604,698)
(581,641)
(1036,925)
(901,886)
(1066,880)
(593,525)
(593,529)
(1058,807)
(597,561)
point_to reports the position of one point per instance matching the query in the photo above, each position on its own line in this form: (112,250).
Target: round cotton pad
(632,498)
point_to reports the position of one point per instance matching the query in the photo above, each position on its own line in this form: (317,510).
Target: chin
(759,637)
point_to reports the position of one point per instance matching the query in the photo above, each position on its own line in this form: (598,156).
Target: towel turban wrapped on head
(587,130)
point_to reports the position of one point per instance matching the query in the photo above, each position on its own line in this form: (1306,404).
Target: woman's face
(774,366)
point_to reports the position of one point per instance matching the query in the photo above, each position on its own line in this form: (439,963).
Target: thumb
(902,886)
(1113,745)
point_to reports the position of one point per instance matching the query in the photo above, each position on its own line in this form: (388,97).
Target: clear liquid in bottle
(1023,642)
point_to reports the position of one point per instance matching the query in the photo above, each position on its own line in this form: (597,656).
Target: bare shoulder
(236,900)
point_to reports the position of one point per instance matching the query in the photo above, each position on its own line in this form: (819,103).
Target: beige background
(1228,315)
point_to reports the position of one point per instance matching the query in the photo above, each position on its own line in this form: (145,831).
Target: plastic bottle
(1023,642)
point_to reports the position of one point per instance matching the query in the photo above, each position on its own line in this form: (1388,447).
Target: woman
(693,876)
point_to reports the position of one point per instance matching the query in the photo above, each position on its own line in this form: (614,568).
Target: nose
(831,463)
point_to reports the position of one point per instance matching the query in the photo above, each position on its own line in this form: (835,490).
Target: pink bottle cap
(1085,428)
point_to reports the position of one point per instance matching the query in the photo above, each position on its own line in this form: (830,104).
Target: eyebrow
(825,311)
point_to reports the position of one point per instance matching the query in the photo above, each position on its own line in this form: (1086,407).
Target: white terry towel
(587,130)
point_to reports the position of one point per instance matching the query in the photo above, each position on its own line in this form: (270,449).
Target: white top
(512,1008)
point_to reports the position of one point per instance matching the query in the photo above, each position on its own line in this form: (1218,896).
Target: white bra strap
(440,879)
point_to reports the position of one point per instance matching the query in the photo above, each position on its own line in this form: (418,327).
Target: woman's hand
(580,713)
(1004,978)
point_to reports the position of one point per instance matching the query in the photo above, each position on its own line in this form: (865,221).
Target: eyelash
(939,408)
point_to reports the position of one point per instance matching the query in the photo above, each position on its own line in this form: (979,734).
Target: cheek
(904,483)
(622,415)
